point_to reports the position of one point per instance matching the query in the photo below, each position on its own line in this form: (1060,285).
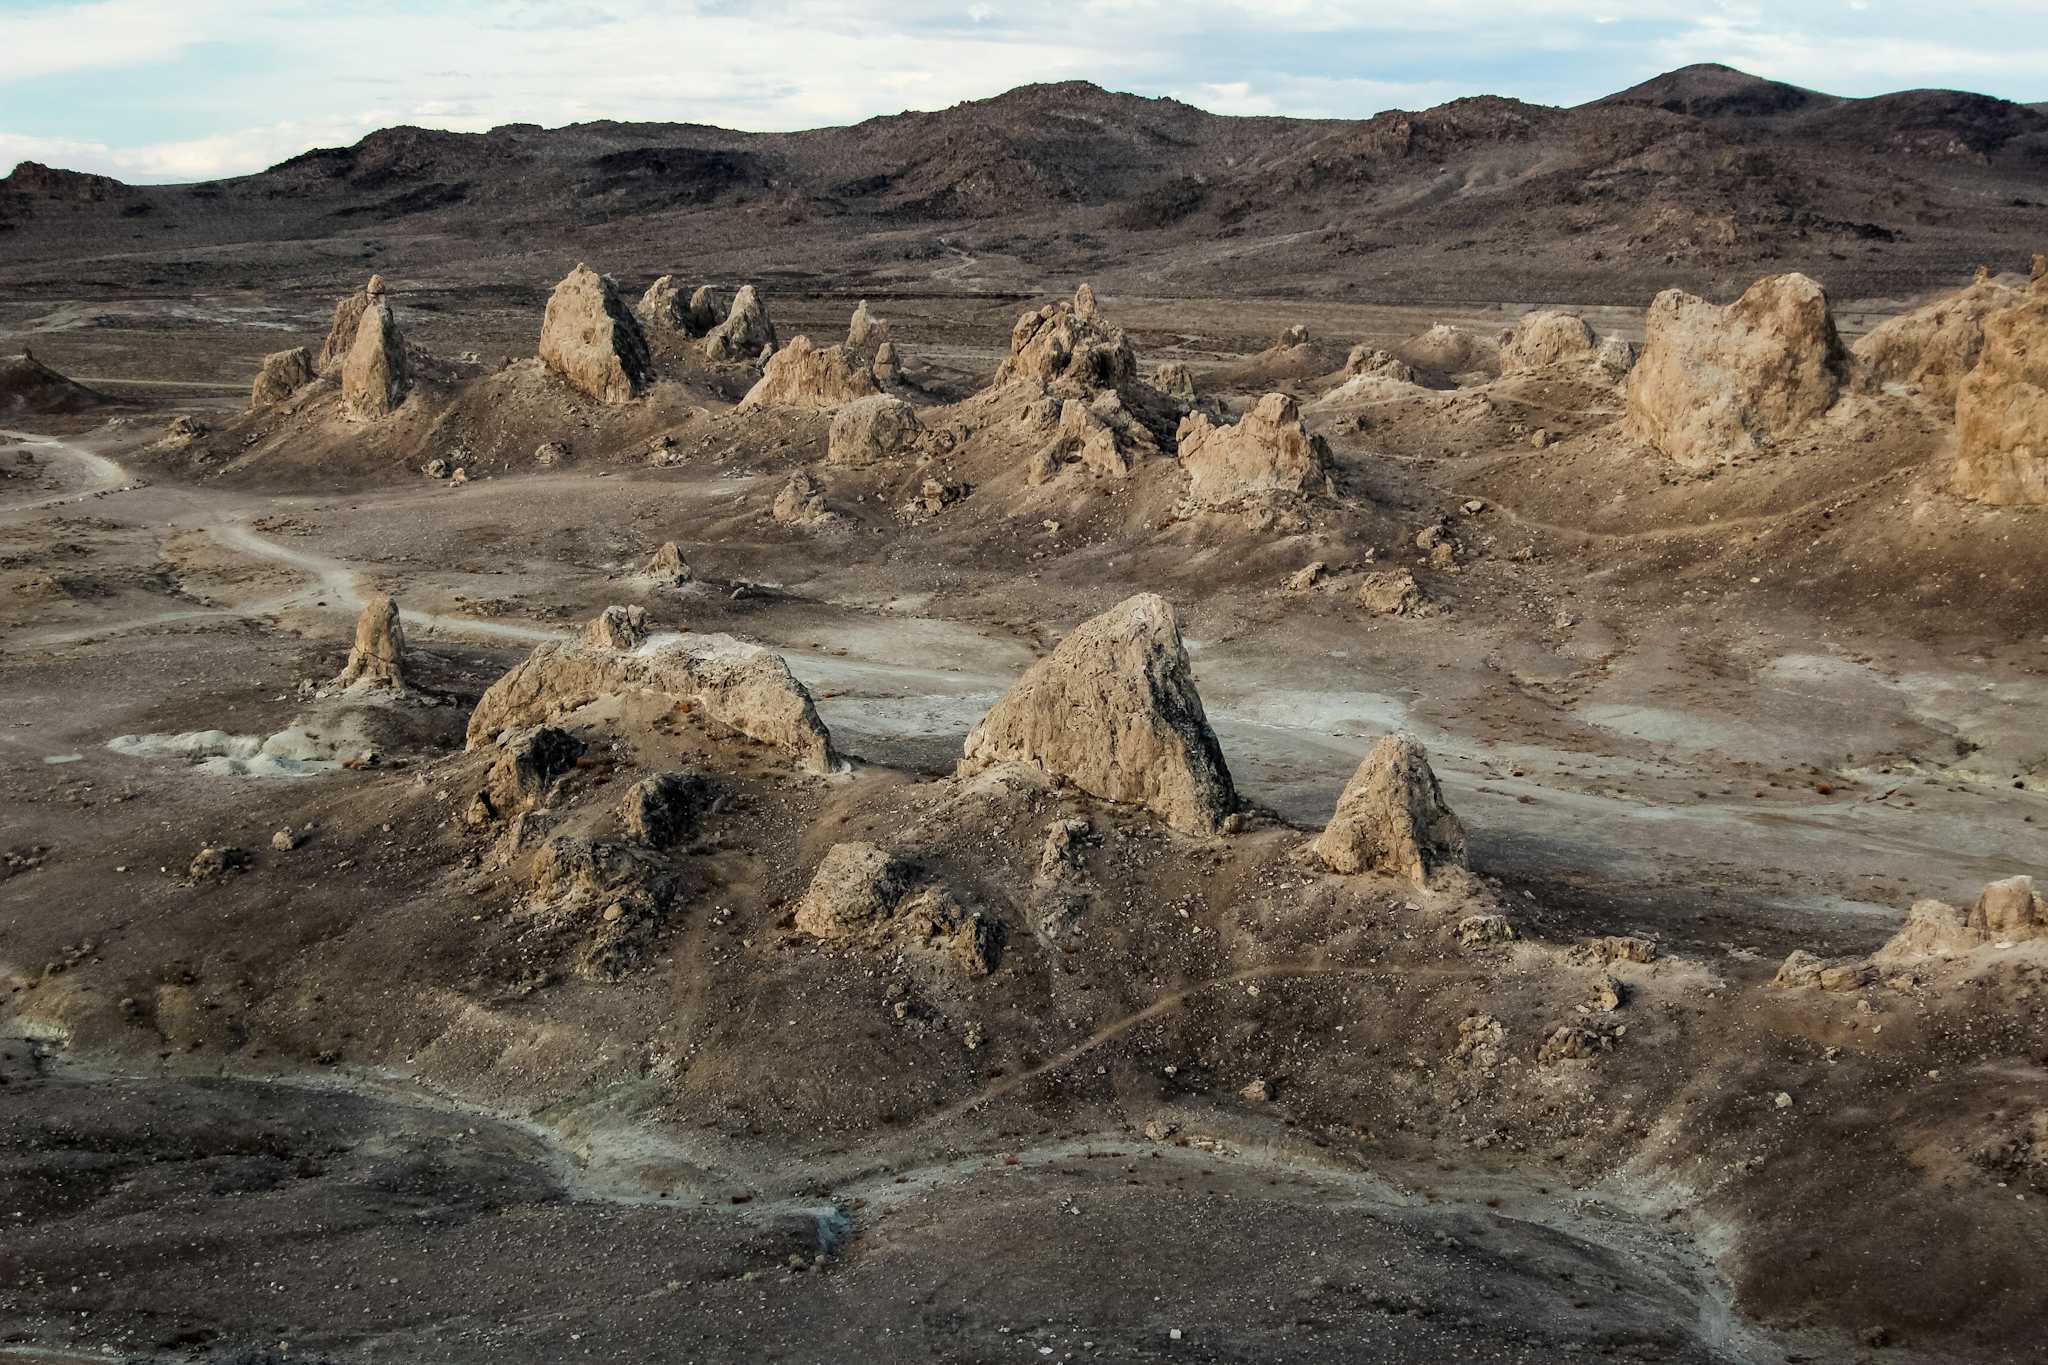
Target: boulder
(378,657)
(529,763)
(1543,338)
(1065,348)
(801,502)
(590,339)
(733,683)
(862,893)
(1393,592)
(801,375)
(1268,451)
(1371,361)
(2002,408)
(1616,357)
(282,374)
(1114,711)
(1715,383)
(374,376)
(2010,909)
(664,307)
(709,307)
(616,628)
(668,567)
(1933,347)
(745,332)
(662,810)
(872,430)
(888,363)
(1392,818)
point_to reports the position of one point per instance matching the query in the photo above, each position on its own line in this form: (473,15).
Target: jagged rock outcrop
(1066,349)
(1175,380)
(282,374)
(1268,451)
(590,339)
(1114,711)
(528,765)
(616,627)
(709,307)
(374,376)
(888,363)
(801,375)
(668,567)
(866,894)
(378,656)
(2008,911)
(1392,818)
(664,307)
(341,332)
(1935,346)
(865,331)
(1544,338)
(664,809)
(801,502)
(1714,383)
(872,430)
(2002,408)
(735,684)
(745,332)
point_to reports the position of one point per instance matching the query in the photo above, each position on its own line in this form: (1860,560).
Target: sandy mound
(282,374)
(29,386)
(591,340)
(1114,711)
(738,685)
(1392,818)
(2002,408)
(801,375)
(1543,338)
(1268,451)
(1715,383)
(1447,353)
(1934,346)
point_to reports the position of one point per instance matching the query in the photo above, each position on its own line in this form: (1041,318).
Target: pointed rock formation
(888,363)
(616,628)
(725,680)
(283,374)
(374,375)
(1935,346)
(2002,407)
(744,333)
(866,331)
(589,339)
(801,375)
(341,332)
(709,307)
(1713,383)
(664,307)
(1392,818)
(1267,451)
(668,567)
(871,430)
(1065,348)
(378,656)
(1115,712)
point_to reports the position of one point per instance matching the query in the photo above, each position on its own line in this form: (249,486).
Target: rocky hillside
(1704,177)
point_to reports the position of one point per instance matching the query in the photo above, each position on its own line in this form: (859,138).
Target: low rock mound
(738,685)
(1392,818)
(1103,437)
(801,503)
(1934,346)
(1544,338)
(872,430)
(529,764)
(616,628)
(1715,383)
(2002,408)
(1448,352)
(590,339)
(2009,911)
(374,375)
(746,331)
(282,374)
(29,386)
(1268,451)
(1115,712)
(664,809)
(1066,349)
(868,895)
(1371,361)
(801,375)
(378,657)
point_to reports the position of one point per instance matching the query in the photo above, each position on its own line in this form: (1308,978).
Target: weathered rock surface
(709,307)
(1175,380)
(801,502)
(528,765)
(862,892)
(590,339)
(1393,592)
(1714,383)
(1268,451)
(1544,338)
(664,809)
(282,374)
(738,685)
(668,566)
(1935,346)
(616,628)
(2002,408)
(865,331)
(378,656)
(374,376)
(1114,711)
(341,332)
(888,363)
(744,333)
(1370,360)
(1392,818)
(872,430)
(1449,351)
(1065,348)
(801,375)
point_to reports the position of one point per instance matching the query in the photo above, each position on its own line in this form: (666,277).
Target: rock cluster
(735,684)
(801,375)
(666,308)
(590,339)
(282,374)
(1175,380)
(1114,711)
(745,333)
(1268,451)
(1370,361)
(872,430)
(377,658)
(1716,383)
(1101,436)
(2002,408)
(1066,349)
(1392,818)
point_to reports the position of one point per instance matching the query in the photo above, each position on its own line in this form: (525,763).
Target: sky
(173,90)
